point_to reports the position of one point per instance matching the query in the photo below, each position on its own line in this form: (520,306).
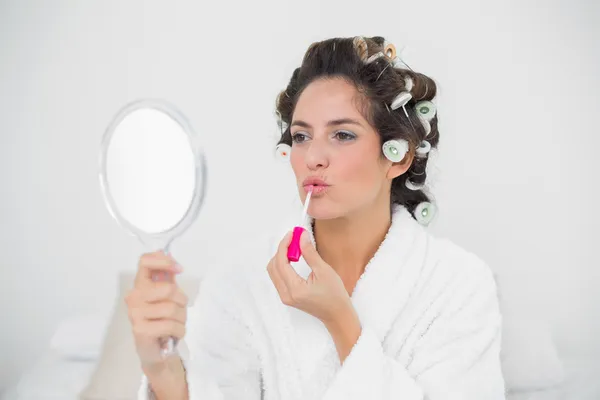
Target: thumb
(309,252)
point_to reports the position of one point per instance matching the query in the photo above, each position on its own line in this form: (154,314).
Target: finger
(162,276)
(157,311)
(309,252)
(281,259)
(277,281)
(165,310)
(284,270)
(160,329)
(159,260)
(287,273)
(284,244)
(151,263)
(163,291)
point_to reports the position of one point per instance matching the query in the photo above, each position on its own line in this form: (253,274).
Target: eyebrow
(333,122)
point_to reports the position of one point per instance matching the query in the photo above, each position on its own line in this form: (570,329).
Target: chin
(321,208)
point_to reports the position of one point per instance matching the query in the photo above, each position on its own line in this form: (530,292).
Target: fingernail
(178,267)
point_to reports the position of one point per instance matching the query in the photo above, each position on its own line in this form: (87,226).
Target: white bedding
(529,362)
(582,382)
(52,378)
(583,379)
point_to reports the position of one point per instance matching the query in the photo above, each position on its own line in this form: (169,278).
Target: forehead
(327,99)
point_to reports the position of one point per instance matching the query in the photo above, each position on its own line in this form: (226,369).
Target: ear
(399,168)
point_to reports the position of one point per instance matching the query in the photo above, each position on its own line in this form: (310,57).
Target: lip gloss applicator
(294,252)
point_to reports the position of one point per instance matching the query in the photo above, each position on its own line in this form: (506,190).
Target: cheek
(361,166)
(296,160)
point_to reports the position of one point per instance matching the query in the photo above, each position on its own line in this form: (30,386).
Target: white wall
(516,178)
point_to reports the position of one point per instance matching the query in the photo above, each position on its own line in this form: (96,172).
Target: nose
(316,156)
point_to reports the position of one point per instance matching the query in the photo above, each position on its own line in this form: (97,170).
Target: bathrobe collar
(382,287)
(379,295)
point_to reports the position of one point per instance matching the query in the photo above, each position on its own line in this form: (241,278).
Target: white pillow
(529,357)
(80,337)
(118,372)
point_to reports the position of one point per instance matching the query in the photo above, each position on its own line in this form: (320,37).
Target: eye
(345,136)
(299,137)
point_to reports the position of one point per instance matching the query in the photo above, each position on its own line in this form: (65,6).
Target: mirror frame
(162,239)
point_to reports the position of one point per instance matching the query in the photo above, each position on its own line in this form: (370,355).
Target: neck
(348,243)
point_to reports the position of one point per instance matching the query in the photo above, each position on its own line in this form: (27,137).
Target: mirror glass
(150,170)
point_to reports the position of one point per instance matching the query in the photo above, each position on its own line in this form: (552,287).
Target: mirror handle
(168,345)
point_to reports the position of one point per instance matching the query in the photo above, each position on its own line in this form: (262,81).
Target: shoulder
(463,261)
(466,274)
(445,262)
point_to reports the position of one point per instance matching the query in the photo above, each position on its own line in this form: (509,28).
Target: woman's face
(334,147)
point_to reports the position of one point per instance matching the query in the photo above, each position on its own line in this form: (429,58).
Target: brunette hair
(378,82)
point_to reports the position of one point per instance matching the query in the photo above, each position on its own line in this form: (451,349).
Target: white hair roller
(409,83)
(425,212)
(375,57)
(423,149)
(426,110)
(413,186)
(280,122)
(395,149)
(401,100)
(427,127)
(282,151)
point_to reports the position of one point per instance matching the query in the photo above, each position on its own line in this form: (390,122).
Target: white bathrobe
(430,321)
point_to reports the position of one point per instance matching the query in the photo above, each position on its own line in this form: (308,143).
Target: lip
(315,184)
(316,190)
(314,181)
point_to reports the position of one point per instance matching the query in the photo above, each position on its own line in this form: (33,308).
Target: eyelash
(349,136)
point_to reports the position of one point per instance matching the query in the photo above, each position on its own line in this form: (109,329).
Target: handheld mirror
(152,175)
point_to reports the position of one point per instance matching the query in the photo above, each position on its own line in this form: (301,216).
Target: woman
(383,310)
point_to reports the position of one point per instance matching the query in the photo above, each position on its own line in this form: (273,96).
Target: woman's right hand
(157,307)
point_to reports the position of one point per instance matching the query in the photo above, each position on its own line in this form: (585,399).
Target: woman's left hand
(322,295)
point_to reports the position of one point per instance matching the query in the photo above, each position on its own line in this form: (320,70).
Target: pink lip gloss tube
(294,252)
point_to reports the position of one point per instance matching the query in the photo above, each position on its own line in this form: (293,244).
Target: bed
(94,354)
(53,378)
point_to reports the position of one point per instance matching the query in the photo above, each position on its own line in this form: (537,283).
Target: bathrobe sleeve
(221,362)
(458,356)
